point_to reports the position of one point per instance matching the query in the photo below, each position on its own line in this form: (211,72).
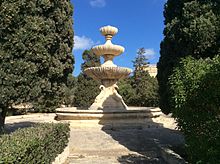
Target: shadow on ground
(11,127)
(144,142)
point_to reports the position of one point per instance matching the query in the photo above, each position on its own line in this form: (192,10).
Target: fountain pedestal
(108,99)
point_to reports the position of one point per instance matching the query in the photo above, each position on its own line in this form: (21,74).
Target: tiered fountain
(108,107)
(108,73)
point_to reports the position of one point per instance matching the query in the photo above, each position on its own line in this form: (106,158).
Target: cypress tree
(87,88)
(192,28)
(69,95)
(36,40)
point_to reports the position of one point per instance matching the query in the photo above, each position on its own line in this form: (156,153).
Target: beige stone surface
(108,50)
(133,117)
(114,146)
(108,73)
(33,117)
(102,73)
(108,30)
(108,98)
(61,158)
(152,69)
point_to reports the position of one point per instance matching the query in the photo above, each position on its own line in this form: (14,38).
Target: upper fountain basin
(108,30)
(108,49)
(101,73)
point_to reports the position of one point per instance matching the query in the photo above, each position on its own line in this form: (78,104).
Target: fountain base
(133,117)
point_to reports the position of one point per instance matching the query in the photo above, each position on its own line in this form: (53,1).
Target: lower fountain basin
(134,117)
(101,73)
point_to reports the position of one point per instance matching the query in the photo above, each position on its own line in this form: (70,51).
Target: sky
(140,24)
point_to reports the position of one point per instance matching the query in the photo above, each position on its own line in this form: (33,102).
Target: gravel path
(21,121)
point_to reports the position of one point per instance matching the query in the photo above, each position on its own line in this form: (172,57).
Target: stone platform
(138,117)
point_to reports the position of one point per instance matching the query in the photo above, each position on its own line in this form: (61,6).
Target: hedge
(38,144)
(195,90)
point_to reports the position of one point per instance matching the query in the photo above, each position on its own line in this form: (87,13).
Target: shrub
(38,144)
(195,90)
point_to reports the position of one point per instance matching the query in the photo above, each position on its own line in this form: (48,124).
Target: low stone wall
(61,158)
(169,155)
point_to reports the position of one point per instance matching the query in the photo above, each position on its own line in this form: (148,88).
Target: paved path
(100,146)
(126,146)
(119,146)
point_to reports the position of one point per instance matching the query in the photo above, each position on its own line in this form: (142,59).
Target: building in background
(152,69)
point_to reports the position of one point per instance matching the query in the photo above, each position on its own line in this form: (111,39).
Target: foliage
(145,86)
(195,90)
(70,88)
(192,28)
(126,90)
(145,92)
(139,64)
(189,88)
(141,88)
(38,144)
(87,88)
(36,40)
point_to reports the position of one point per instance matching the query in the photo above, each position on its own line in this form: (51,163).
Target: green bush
(195,90)
(38,144)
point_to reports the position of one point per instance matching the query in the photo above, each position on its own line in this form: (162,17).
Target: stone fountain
(108,109)
(108,73)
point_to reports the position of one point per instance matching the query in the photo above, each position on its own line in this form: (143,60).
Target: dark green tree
(126,90)
(140,89)
(192,28)
(36,40)
(70,89)
(87,88)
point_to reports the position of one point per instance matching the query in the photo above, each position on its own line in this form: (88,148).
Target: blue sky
(140,24)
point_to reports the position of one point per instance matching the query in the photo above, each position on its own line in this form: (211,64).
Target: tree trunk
(2,118)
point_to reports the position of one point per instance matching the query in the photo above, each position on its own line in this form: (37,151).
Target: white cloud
(98,3)
(82,43)
(149,53)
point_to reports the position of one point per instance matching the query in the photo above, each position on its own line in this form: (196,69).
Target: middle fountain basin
(102,73)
